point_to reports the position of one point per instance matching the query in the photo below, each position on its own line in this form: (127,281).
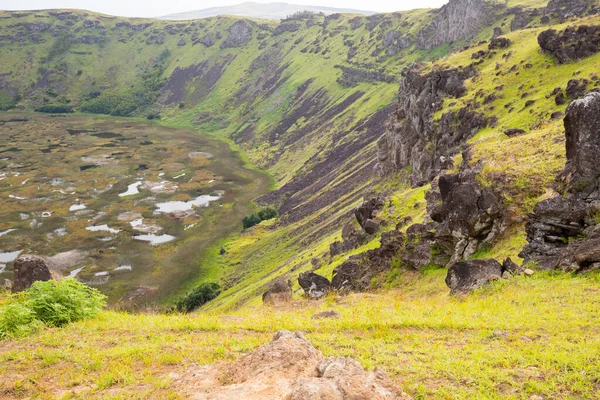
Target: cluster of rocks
(414,139)
(564,9)
(572,43)
(352,76)
(564,231)
(466,276)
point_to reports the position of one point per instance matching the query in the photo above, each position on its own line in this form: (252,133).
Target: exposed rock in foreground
(315,286)
(29,269)
(465,276)
(289,368)
(564,231)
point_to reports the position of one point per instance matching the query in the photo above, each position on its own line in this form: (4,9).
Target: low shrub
(258,217)
(49,303)
(198,296)
(55,109)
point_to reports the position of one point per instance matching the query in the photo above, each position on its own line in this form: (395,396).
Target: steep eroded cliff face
(457,20)
(414,138)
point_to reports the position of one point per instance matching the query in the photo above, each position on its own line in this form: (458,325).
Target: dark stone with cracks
(315,286)
(468,215)
(457,20)
(564,9)
(465,276)
(29,269)
(572,43)
(357,272)
(365,214)
(563,231)
(414,139)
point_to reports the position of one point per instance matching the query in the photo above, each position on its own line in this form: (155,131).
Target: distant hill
(260,10)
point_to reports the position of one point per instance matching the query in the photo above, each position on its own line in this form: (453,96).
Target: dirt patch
(288,367)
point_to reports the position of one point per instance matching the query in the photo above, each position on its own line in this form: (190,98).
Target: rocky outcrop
(365,214)
(240,33)
(564,231)
(207,40)
(289,367)
(286,27)
(29,269)
(279,292)
(357,272)
(465,276)
(315,286)
(394,41)
(414,138)
(351,76)
(564,9)
(468,215)
(572,43)
(457,20)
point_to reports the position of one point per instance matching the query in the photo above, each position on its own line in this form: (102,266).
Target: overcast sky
(156,8)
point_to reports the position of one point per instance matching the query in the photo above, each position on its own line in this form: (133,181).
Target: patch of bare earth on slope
(288,368)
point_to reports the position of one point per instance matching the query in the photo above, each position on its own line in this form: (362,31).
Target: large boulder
(315,286)
(468,215)
(365,214)
(29,269)
(291,368)
(358,271)
(582,130)
(465,276)
(279,292)
(563,231)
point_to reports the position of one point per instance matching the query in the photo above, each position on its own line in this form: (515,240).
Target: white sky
(156,8)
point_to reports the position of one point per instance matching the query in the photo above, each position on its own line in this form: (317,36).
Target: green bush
(257,217)
(198,296)
(49,303)
(55,109)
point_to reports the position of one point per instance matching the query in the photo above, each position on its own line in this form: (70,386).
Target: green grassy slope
(513,340)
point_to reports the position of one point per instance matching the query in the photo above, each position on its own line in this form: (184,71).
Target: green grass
(432,344)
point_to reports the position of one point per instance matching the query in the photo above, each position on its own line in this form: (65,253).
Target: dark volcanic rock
(315,286)
(457,20)
(563,231)
(564,9)
(351,76)
(465,276)
(468,214)
(365,214)
(357,272)
(572,43)
(240,33)
(497,32)
(520,21)
(29,269)
(286,27)
(514,132)
(414,139)
(499,43)
(279,291)
(208,40)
